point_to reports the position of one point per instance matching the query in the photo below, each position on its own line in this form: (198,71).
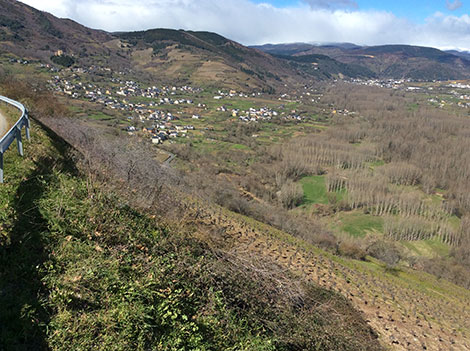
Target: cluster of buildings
(162,127)
(117,98)
(382,83)
(132,89)
(266,114)
(20,61)
(255,115)
(459,85)
(120,96)
(344,112)
(232,94)
(161,132)
(46,66)
(461,95)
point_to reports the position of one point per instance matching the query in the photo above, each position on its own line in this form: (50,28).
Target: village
(152,110)
(382,83)
(136,103)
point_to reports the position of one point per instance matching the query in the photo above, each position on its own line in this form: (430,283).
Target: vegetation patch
(358,224)
(63,60)
(314,190)
(80,269)
(100,116)
(428,248)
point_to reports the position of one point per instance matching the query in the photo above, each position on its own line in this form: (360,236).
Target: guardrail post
(28,136)
(19,142)
(1,167)
(14,133)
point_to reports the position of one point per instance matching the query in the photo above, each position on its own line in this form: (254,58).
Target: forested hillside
(385,61)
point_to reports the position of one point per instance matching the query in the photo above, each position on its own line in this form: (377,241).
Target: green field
(427,248)
(99,116)
(314,190)
(358,224)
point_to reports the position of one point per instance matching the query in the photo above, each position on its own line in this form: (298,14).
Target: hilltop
(172,56)
(178,56)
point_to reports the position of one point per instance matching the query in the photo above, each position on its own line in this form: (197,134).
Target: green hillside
(81,269)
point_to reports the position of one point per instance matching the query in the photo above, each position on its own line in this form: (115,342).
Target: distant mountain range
(173,56)
(204,58)
(385,61)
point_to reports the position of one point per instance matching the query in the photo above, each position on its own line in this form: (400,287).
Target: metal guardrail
(14,132)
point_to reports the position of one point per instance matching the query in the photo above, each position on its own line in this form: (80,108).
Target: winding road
(3,125)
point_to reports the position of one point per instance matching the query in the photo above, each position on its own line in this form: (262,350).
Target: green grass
(427,248)
(100,116)
(81,270)
(75,109)
(358,224)
(314,190)
(240,147)
(375,164)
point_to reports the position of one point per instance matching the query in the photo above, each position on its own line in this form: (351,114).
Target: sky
(444,24)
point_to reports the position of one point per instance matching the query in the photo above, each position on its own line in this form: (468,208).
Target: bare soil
(408,315)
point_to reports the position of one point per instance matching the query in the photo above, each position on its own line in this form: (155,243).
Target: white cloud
(250,23)
(332,4)
(453,5)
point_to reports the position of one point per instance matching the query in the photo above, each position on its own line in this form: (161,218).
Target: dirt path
(169,159)
(407,314)
(3,125)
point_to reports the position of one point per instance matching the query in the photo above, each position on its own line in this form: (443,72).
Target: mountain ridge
(386,61)
(205,58)
(170,56)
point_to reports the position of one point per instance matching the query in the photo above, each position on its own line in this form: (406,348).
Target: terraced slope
(410,310)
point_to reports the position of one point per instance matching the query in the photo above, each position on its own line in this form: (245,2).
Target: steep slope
(463,54)
(324,67)
(80,268)
(409,309)
(403,61)
(386,61)
(204,57)
(168,55)
(31,33)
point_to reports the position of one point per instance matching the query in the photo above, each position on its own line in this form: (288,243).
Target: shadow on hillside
(23,312)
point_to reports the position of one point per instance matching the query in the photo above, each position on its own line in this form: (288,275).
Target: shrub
(63,60)
(351,249)
(387,252)
(291,194)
